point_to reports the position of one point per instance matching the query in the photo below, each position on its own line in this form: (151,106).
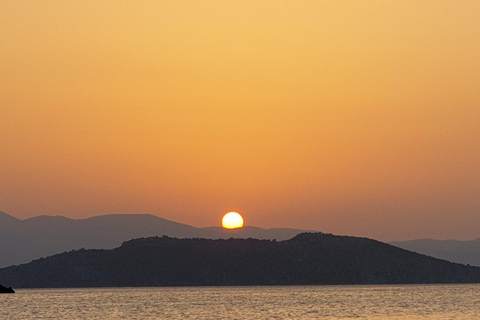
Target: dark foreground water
(310,302)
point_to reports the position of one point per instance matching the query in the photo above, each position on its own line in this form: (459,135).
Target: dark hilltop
(306,259)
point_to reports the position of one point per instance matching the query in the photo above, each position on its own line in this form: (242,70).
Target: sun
(232,220)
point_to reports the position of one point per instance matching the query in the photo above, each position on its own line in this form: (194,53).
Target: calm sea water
(309,302)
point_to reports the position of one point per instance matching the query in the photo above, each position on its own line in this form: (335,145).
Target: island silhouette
(306,259)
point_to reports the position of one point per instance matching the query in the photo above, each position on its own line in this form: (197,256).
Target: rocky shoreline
(6,290)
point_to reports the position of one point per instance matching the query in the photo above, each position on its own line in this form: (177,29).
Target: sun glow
(232,220)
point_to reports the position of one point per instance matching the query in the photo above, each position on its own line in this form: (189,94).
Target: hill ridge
(25,240)
(306,259)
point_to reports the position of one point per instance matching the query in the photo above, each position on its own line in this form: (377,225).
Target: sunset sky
(349,117)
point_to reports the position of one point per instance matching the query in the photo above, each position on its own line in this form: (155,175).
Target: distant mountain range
(466,252)
(306,259)
(21,241)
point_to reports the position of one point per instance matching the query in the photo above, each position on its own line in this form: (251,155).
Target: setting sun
(232,220)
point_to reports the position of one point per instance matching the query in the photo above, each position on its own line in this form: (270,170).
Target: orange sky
(350,117)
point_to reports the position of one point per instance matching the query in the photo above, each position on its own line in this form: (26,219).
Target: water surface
(292,302)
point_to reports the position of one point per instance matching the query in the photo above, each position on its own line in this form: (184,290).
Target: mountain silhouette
(25,240)
(306,259)
(465,252)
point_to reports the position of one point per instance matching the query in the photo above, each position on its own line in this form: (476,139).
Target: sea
(288,302)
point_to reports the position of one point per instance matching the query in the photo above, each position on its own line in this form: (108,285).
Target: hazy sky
(351,117)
